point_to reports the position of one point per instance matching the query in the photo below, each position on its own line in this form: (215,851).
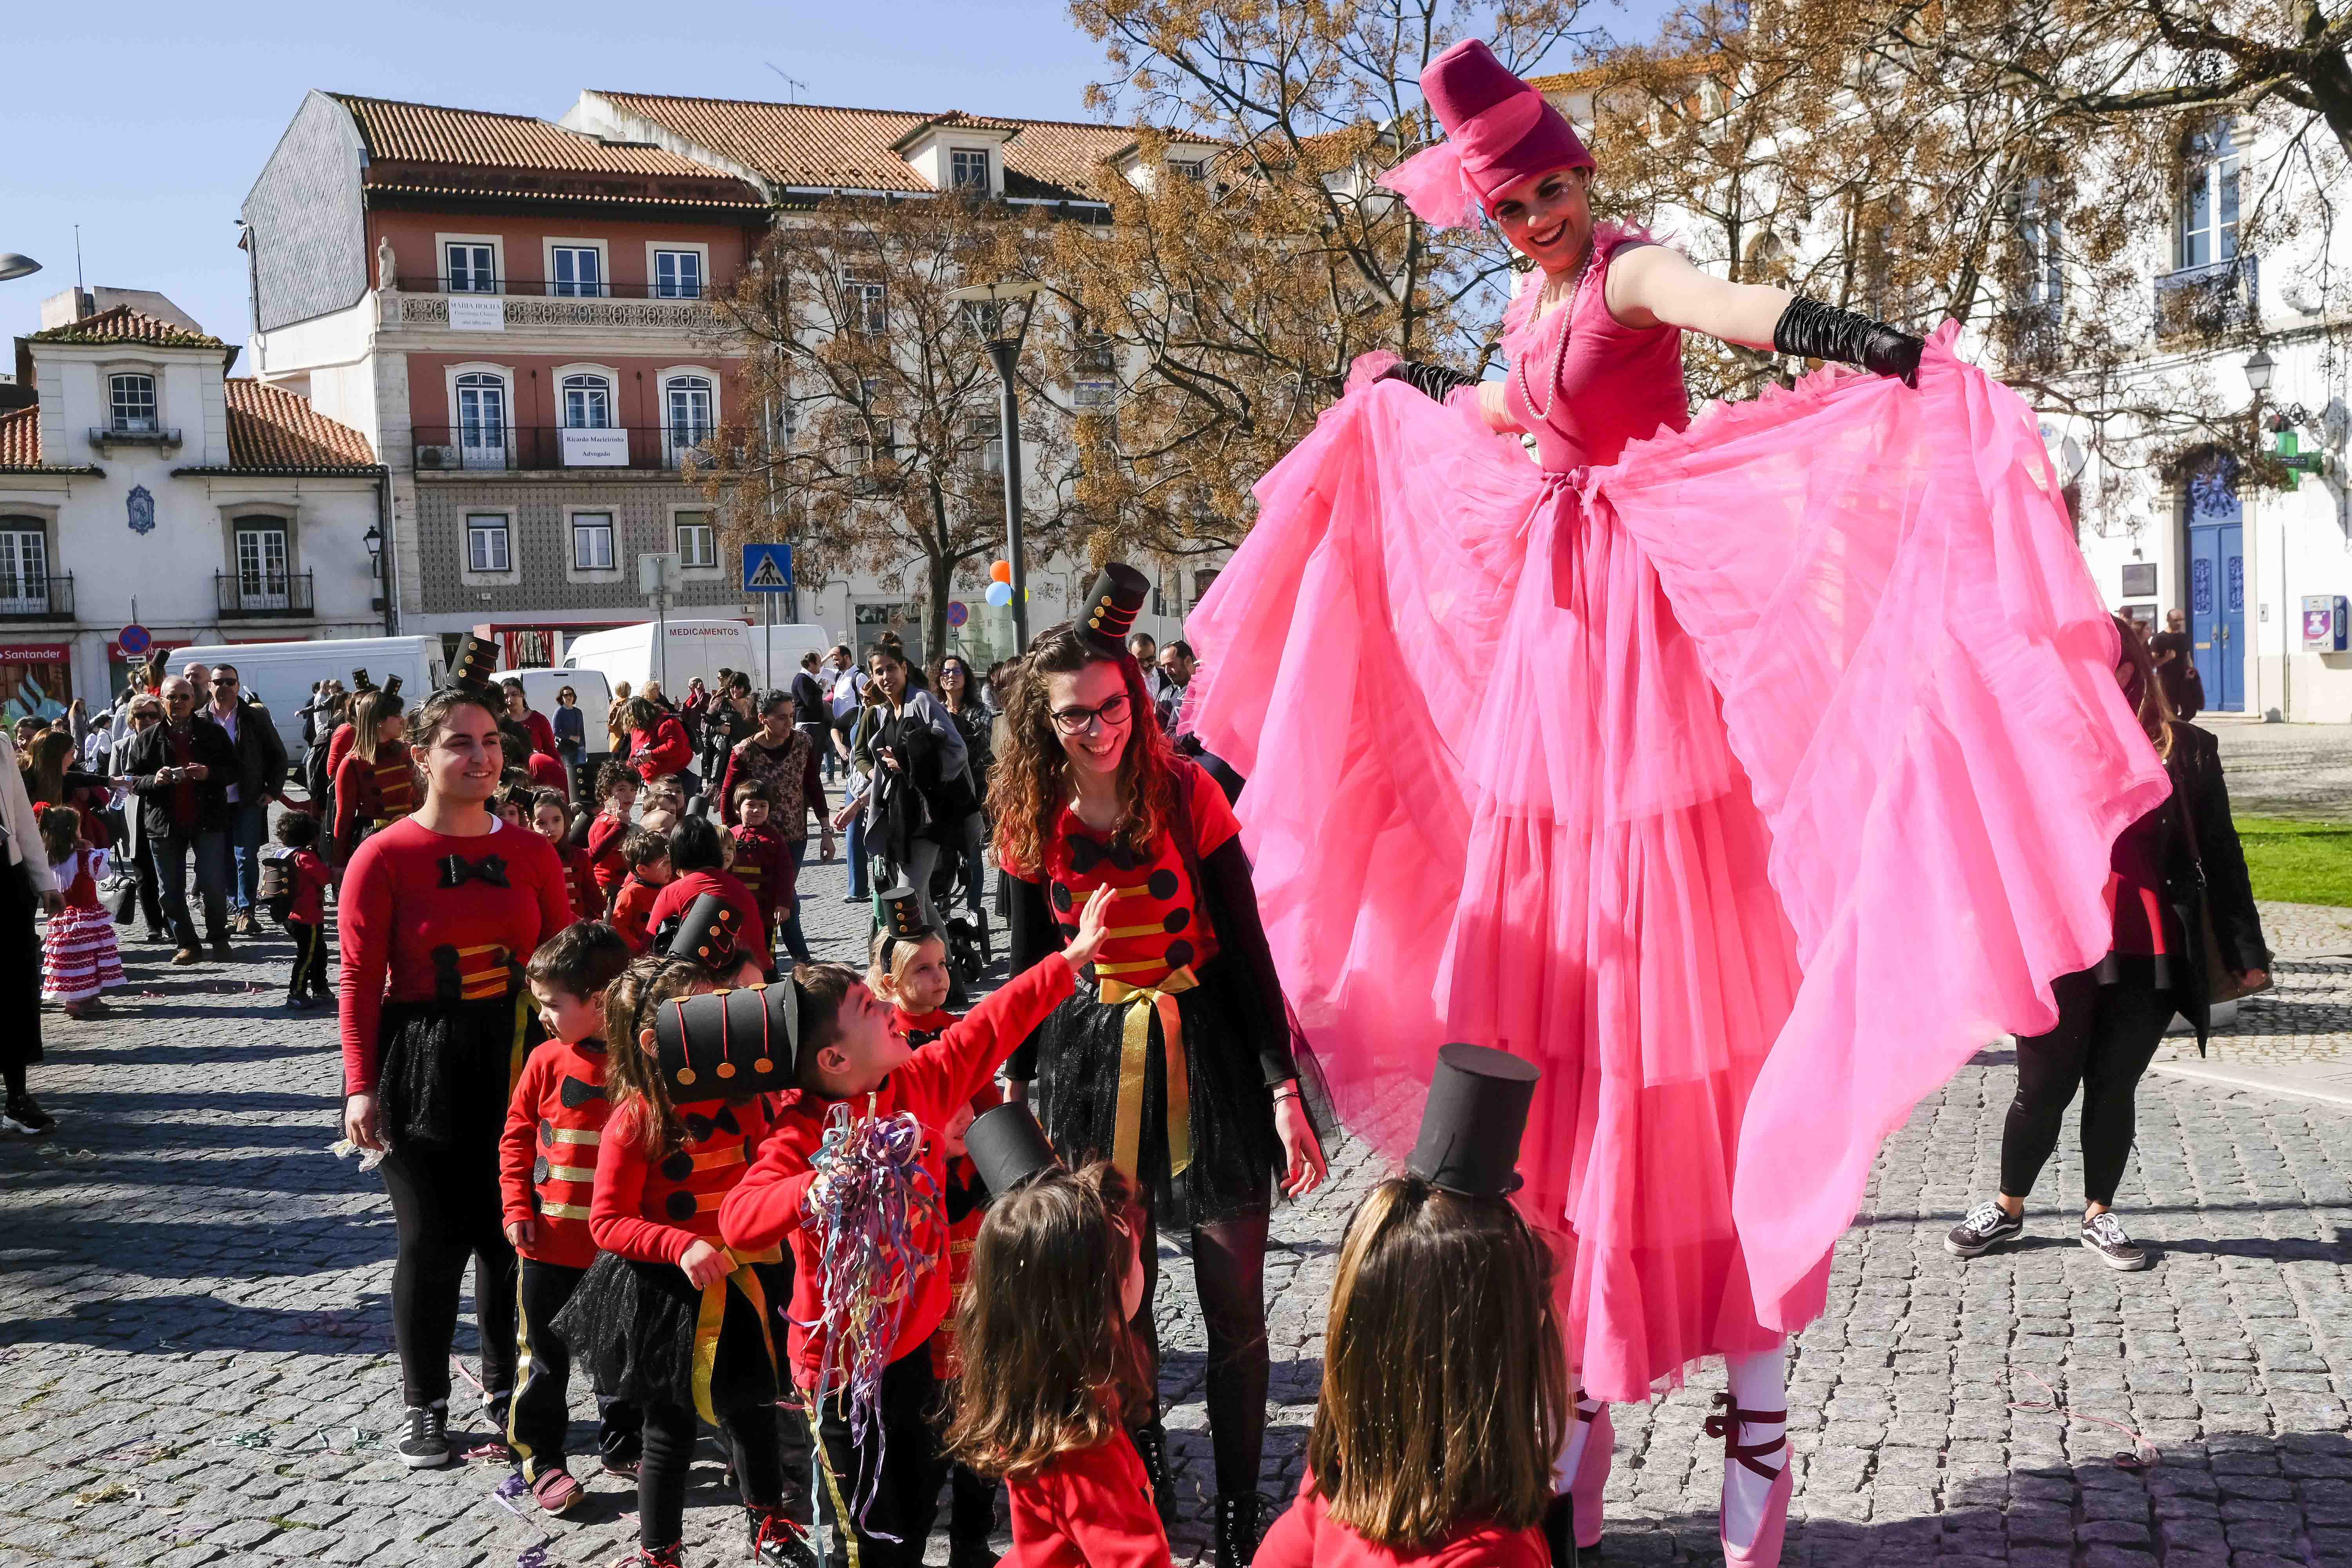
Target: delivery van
(281,674)
(693,647)
(541,686)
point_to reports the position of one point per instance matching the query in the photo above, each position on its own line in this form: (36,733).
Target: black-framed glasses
(1075,720)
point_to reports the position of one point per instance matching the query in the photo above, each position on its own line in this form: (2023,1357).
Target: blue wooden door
(2216,587)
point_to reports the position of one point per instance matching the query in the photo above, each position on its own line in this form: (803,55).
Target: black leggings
(669,1433)
(310,975)
(2106,1035)
(1229,1275)
(445,1210)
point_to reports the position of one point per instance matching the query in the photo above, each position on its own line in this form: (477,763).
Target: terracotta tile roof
(270,427)
(124,325)
(822,145)
(20,438)
(427,134)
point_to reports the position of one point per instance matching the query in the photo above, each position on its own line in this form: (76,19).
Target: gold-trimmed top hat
(706,934)
(902,921)
(472,672)
(392,686)
(725,1043)
(1007,1146)
(361,682)
(1117,598)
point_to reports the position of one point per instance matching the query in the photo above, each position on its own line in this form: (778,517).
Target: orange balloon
(1001,572)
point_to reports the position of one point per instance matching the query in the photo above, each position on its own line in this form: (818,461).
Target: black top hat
(360,682)
(522,794)
(725,1043)
(1007,1147)
(1111,607)
(471,674)
(902,919)
(1471,1125)
(392,686)
(706,933)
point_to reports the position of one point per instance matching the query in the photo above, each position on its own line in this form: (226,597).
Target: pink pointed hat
(1498,131)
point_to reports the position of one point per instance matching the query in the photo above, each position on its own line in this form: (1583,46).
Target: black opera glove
(1822,331)
(1432,381)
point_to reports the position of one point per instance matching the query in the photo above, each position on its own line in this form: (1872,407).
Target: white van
(694,648)
(540,688)
(281,674)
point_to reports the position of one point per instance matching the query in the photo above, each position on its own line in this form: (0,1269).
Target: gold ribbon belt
(712,1316)
(1135,1054)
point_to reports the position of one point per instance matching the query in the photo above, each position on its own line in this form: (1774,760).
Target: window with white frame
(2041,282)
(968,169)
(473,269)
(261,563)
(697,540)
(24,566)
(1193,169)
(864,307)
(689,414)
(2205,225)
(130,406)
(587,403)
(575,271)
(482,420)
(489,543)
(677,274)
(592,541)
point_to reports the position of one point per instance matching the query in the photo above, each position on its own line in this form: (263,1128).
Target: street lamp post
(2259,367)
(15,266)
(1005,309)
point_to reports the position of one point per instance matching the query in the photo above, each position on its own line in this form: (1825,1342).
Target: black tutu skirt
(1237,1154)
(632,1325)
(446,1067)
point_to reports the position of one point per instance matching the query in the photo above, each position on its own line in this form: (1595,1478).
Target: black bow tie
(456,871)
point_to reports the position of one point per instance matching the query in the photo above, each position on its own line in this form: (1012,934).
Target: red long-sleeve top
(339,746)
(678,897)
(368,792)
(1089,1508)
(1307,1537)
(651,1207)
(547,772)
(542,734)
(605,835)
(549,1153)
(310,877)
(580,879)
(765,1210)
(764,863)
(395,915)
(633,908)
(667,751)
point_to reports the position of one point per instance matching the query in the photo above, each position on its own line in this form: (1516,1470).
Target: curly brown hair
(1050,1363)
(641,1109)
(1031,781)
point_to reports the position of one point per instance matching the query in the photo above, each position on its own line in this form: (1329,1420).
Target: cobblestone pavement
(195,1334)
(2285,770)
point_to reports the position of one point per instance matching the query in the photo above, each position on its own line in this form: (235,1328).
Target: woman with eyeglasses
(1206,1114)
(920,797)
(571,728)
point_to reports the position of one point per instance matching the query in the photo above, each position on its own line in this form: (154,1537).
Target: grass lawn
(2297,861)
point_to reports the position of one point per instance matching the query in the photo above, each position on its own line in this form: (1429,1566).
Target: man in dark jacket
(261,778)
(181,771)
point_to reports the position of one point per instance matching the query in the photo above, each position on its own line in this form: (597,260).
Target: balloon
(1001,572)
(1000,594)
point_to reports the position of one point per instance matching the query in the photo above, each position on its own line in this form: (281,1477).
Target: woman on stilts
(1763,713)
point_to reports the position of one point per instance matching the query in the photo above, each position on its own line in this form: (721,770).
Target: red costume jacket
(549,1153)
(933,1084)
(1307,1537)
(580,879)
(764,864)
(370,795)
(310,877)
(678,897)
(631,907)
(665,751)
(651,1207)
(605,835)
(1089,1508)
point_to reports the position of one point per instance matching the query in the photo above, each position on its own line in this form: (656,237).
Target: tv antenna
(796,83)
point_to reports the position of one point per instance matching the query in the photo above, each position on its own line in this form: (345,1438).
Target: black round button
(1176,920)
(680,1207)
(677,1166)
(1180,954)
(1062,897)
(1162,884)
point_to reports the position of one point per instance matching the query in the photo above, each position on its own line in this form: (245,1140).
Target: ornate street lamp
(1002,311)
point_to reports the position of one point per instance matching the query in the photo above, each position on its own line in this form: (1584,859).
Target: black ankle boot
(1240,1521)
(1560,1530)
(1151,1447)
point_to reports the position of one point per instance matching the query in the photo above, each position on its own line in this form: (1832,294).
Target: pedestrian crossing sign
(767,568)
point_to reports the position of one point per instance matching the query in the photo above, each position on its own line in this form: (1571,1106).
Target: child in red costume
(649,873)
(616,786)
(1053,1372)
(305,910)
(669,1317)
(552,818)
(698,860)
(851,1051)
(764,863)
(547,1172)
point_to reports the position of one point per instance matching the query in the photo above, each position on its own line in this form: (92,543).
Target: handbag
(2221,982)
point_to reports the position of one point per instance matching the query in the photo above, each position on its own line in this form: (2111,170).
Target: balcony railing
(249,593)
(37,598)
(454,448)
(2209,301)
(133,432)
(556,288)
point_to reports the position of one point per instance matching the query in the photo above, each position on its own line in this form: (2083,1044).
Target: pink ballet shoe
(1764,1551)
(1592,1476)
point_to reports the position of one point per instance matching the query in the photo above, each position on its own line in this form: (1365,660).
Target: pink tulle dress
(1749,777)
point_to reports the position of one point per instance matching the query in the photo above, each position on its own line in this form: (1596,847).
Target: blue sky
(145,122)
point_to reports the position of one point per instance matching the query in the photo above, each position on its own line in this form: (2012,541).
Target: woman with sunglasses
(1173,1060)
(915,756)
(145,712)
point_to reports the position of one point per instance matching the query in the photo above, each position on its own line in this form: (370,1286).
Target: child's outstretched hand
(1094,923)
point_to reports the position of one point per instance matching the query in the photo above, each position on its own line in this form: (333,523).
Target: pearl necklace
(1559,356)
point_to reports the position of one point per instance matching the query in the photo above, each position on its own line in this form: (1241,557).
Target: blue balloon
(1000,594)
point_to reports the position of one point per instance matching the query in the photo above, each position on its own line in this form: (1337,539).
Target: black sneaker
(778,1541)
(426,1445)
(1987,1225)
(2104,1233)
(24,1115)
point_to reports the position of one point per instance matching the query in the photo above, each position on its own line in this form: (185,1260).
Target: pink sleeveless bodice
(1611,385)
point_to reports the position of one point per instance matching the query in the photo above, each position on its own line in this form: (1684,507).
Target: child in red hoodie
(552,817)
(547,1173)
(1052,1373)
(855,1060)
(649,873)
(616,786)
(306,909)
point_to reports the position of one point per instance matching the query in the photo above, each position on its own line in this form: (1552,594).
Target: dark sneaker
(2104,1233)
(24,1115)
(779,1542)
(221,952)
(427,1445)
(1987,1225)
